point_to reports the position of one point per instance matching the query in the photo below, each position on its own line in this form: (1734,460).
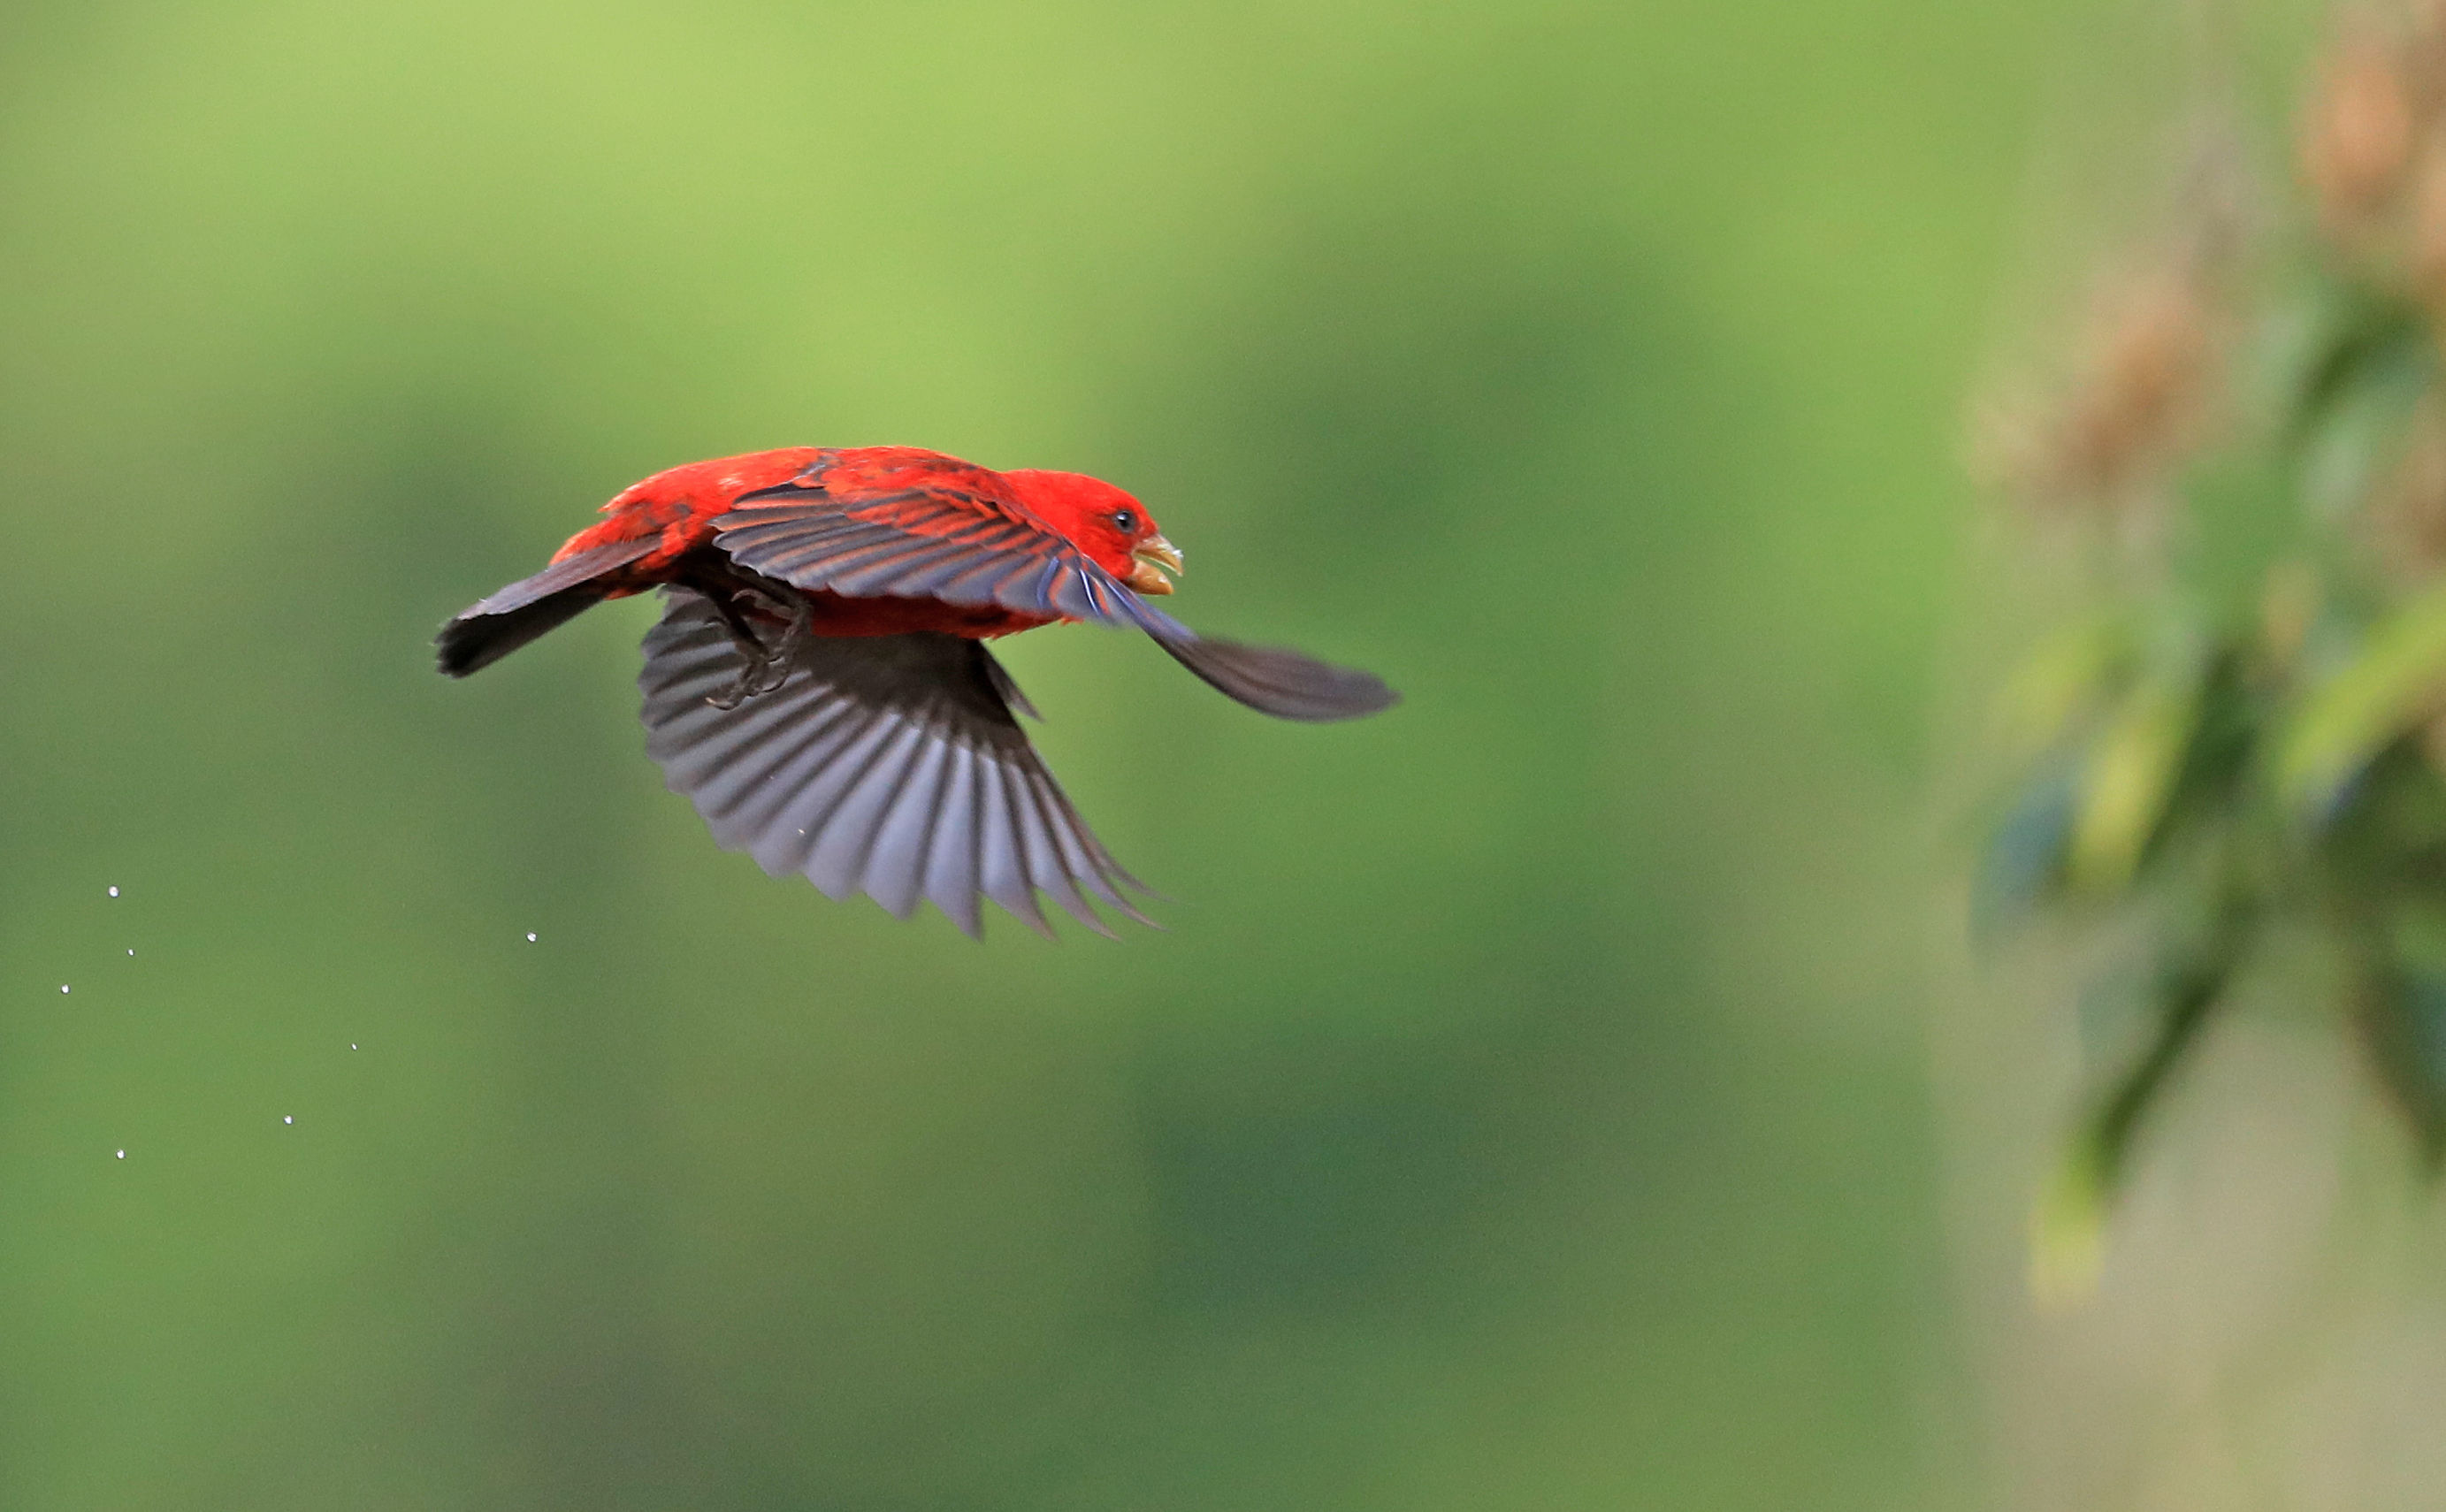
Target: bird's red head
(1111,527)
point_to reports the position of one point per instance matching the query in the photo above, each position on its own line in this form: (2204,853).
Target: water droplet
(285,1119)
(122,1154)
(114,893)
(531,940)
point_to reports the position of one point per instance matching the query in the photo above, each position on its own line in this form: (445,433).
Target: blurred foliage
(2239,739)
(1527,1106)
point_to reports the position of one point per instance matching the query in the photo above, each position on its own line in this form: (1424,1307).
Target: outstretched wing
(974,545)
(890,765)
(942,529)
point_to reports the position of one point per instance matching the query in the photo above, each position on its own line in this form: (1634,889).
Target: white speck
(531,940)
(352,1045)
(122,1154)
(285,1119)
(131,952)
(64,986)
(114,893)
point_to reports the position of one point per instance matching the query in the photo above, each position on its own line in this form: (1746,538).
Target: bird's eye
(1125,521)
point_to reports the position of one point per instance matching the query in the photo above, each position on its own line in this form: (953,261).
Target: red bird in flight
(820,686)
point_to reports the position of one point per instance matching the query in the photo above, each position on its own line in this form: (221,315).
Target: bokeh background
(1532,1103)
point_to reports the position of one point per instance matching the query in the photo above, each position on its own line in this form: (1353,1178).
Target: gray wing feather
(1286,684)
(904,838)
(1001,861)
(845,833)
(1046,862)
(950,874)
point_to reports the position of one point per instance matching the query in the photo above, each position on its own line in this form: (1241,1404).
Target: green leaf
(2128,778)
(2025,859)
(2068,1230)
(2067,1224)
(2354,371)
(2402,1021)
(2064,675)
(2393,685)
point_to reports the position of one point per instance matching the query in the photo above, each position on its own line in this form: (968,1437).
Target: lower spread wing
(889,765)
(924,543)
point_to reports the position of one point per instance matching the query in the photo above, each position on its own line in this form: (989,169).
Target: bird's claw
(762,675)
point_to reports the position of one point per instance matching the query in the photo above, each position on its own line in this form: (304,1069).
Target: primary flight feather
(820,686)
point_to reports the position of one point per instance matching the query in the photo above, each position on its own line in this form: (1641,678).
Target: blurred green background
(1529,1105)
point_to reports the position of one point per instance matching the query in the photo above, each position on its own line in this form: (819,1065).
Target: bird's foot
(760,676)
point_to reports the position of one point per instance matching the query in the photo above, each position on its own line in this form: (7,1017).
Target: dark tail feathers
(490,629)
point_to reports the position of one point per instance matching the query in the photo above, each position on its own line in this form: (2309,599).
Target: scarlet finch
(820,686)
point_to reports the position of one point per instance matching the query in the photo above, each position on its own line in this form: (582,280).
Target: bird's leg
(755,674)
(798,621)
(766,667)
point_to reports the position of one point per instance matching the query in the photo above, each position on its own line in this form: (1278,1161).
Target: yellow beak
(1154,558)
